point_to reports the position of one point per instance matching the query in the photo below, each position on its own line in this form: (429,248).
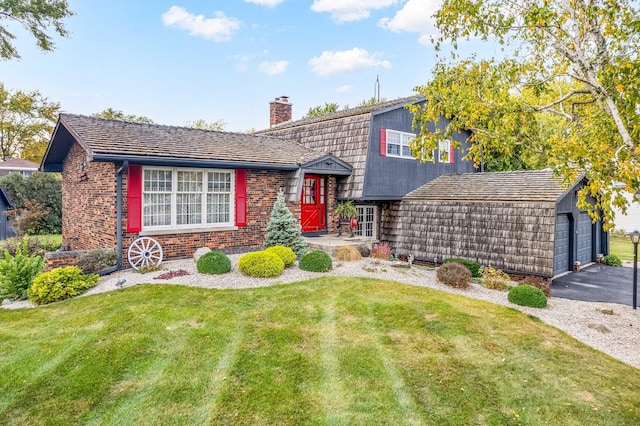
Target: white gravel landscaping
(611,328)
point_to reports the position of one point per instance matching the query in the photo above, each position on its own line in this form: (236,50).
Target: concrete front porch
(330,243)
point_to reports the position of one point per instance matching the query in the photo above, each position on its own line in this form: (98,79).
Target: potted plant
(347,213)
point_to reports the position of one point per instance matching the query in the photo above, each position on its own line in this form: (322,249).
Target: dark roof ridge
(350,112)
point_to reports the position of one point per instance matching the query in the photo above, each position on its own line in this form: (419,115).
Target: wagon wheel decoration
(144,252)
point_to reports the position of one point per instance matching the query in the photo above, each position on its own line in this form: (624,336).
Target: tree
(371,101)
(322,109)
(580,64)
(37,194)
(283,229)
(216,126)
(112,114)
(38,17)
(26,122)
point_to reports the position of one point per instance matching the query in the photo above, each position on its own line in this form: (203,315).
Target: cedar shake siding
(509,220)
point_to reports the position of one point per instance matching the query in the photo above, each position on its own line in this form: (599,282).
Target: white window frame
(362,211)
(404,139)
(443,146)
(204,192)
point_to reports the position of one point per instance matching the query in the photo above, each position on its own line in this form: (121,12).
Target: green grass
(326,351)
(621,246)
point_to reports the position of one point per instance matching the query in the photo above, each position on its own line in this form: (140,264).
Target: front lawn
(621,246)
(325,351)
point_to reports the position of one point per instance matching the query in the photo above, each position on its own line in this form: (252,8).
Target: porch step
(331,243)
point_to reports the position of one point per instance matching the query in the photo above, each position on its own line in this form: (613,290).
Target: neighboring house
(6,231)
(186,188)
(18,165)
(374,141)
(521,222)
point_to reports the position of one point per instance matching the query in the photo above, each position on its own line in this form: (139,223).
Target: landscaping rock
(201,251)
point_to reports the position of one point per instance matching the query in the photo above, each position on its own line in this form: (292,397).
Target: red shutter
(241,197)
(383,142)
(451,151)
(134,198)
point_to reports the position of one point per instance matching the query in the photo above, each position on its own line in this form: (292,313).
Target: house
(6,231)
(186,188)
(374,140)
(521,222)
(18,165)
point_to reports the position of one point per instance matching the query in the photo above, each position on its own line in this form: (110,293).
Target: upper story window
(445,152)
(397,143)
(175,198)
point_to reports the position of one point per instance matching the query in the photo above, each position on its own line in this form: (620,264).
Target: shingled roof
(112,140)
(528,186)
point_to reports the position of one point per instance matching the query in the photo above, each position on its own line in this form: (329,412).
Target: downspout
(118,264)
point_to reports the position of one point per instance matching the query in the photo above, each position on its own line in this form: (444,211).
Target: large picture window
(184,198)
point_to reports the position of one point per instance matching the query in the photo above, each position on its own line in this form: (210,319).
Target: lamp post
(635,239)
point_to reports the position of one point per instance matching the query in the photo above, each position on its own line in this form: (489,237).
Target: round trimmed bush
(213,263)
(316,261)
(454,274)
(287,254)
(261,264)
(474,267)
(527,295)
(59,284)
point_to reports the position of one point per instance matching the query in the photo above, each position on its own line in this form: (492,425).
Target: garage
(521,222)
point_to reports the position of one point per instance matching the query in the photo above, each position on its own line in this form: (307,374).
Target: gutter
(191,162)
(118,264)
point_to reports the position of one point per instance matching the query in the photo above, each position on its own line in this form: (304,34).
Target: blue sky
(180,60)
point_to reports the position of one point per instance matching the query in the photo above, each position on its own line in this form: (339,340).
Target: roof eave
(191,162)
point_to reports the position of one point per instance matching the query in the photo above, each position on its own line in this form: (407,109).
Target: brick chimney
(279,111)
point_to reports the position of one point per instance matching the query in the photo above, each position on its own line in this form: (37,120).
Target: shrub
(35,245)
(381,251)
(348,253)
(495,279)
(60,284)
(540,283)
(364,250)
(454,275)
(316,261)
(283,229)
(18,271)
(92,261)
(285,253)
(213,263)
(611,260)
(473,267)
(260,264)
(527,295)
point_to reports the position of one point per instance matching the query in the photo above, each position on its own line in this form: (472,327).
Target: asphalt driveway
(597,283)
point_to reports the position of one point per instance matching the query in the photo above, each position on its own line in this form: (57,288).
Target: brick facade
(89,211)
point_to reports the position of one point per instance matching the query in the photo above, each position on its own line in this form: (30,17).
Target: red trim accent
(134,198)
(383,142)
(241,197)
(451,152)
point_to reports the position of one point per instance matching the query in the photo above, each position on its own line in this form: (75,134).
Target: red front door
(313,204)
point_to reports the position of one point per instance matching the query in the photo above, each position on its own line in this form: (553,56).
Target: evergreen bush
(18,271)
(474,267)
(285,253)
(213,263)
(60,284)
(611,260)
(454,274)
(283,229)
(316,261)
(261,264)
(92,261)
(527,295)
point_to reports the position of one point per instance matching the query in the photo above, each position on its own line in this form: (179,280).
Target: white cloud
(345,88)
(273,67)
(269,3)
(414,17)
(243,62)
(331,62)
(349,10)
(220,28)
